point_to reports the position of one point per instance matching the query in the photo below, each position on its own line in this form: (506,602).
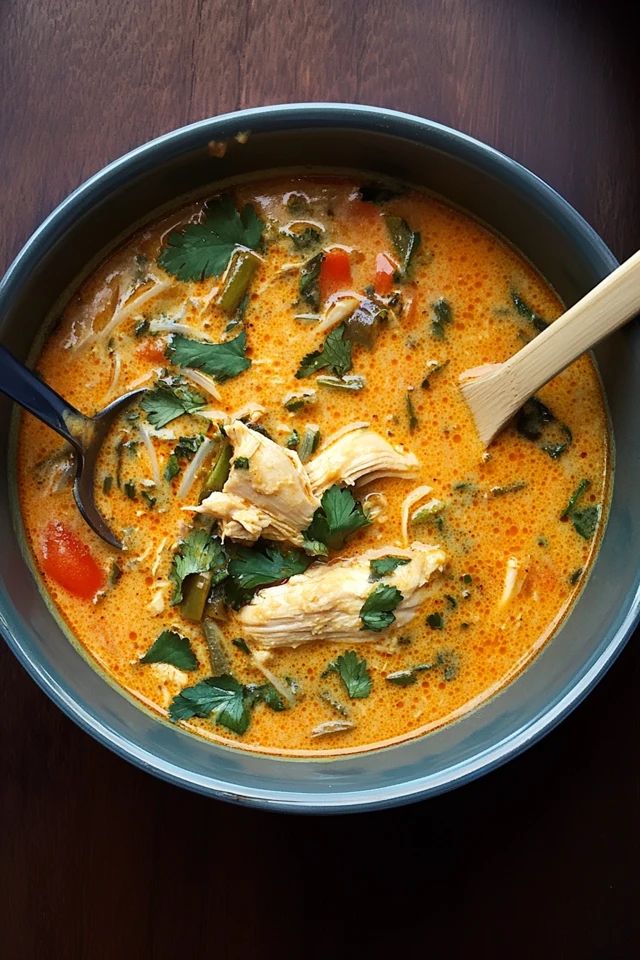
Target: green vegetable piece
(314,548)
(107,484)
(242,268)
(536,422)
(241,463)
(375,193)
(435,621)
(219,473)
(296,401)
(309,443)
(172,468)
(238,317)
(527,312)
(195,591)
(351,382)
(306,238)
(252,568)
(376,612)
(215,646)
(451,601)
(441,317)
(449,660)
(309,284)
(187,447)
(434,367)
(141,328)
(222,696)
(220,360)
(382,566)
(405,678)
(411,413)
(361,327)
(354,674)
(266,693)
(170,398)
(584,519)
(466,578)
(334,703)
(170,647)
(575,576)
(335,354)
(204,249)
(197,553)
(148,499)
(242,645)
(130,489)
(405,240)
(293,440)
(338,516)
(508,488)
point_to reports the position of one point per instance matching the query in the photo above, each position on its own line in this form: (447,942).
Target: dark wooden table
(99,860)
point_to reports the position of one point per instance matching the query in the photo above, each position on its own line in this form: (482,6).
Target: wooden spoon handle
(608,306)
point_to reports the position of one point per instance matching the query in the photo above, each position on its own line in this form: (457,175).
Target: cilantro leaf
(309,284)
(171,648)
(405,240)
(204,249)
(338,516)
(527,312)
(354,674)
(436,621)
(169,399)
(266,693)
(251,569)
(219,360)
(222,696)
(442,315)
(197,553)
(376,612)
(408,676)
(335,354)
(382,566)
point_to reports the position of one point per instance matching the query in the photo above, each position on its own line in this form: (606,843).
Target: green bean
(243,265)
(309,442)
(195,593)
(219,473)
(217,654)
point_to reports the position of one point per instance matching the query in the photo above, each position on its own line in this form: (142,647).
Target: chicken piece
(325,602)
(358,454)
(269,497)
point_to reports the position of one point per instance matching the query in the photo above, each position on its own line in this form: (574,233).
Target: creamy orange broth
(481,645)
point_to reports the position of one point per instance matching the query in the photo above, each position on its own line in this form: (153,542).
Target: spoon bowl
(85,434)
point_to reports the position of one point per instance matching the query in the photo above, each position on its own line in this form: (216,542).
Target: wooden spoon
(495,392)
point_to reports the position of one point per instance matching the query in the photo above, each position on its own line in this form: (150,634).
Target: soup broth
(319,555)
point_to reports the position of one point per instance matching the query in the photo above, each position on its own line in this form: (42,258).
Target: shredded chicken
(361,454)
(325,602)
(271,498)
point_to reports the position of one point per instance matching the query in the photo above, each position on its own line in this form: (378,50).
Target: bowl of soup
(330,596)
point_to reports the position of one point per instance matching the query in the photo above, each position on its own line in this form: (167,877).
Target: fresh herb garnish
(220,360)
(449,660)
(338,516)
(265,693)
(411,413)
(435,621)
(536,422)
(353,672)
(309,442)
(297,400)
(508,488)
(350,382)
(197,553)
(575,576)
(222,696)
(405,240)
(584,519)
(405,678)
(309,285)
(252,568)
(335,354)
(376,612)
(170,647)
(107,484)
(292,440)
(204,249)
(141,328)
(441,317)
(382,566)
(242,644)
(304,239)
(130,489)
(433,367)
(149,499)
(172,468)
(528,312)
(241,463)
(170,398)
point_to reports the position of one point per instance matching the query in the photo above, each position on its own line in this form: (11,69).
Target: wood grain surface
(99,860)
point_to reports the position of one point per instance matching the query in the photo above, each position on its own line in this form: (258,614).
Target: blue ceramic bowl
(511,200)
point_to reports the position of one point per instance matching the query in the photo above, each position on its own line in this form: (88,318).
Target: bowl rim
(346,116)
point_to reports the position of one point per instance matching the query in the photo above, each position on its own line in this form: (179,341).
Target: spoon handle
(605,308)
(25,388)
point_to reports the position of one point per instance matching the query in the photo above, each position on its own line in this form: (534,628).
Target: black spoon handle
(23,386)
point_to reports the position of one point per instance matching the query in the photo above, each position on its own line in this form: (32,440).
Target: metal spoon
(85,434)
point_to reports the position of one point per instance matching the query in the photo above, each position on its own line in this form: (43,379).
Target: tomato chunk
(335,272)
(68,561)
(385,270)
